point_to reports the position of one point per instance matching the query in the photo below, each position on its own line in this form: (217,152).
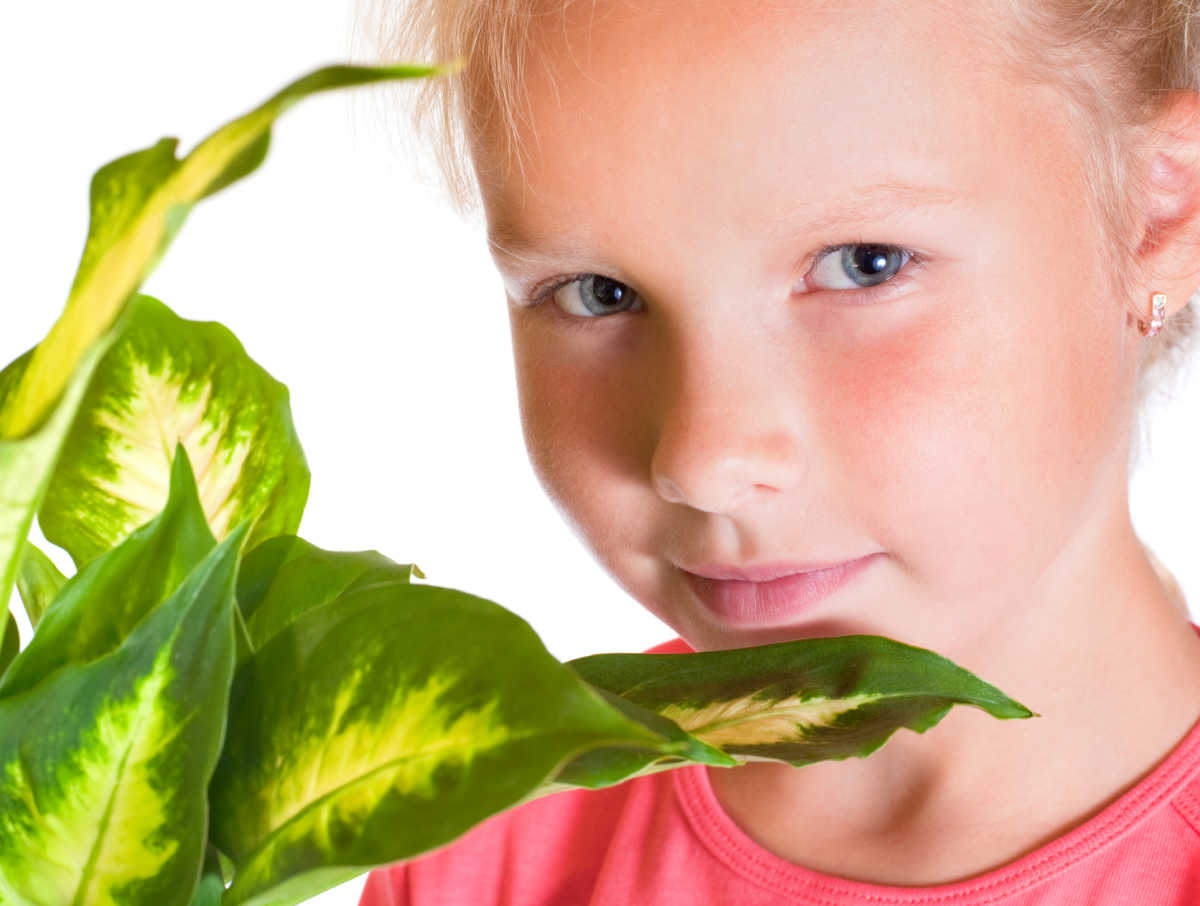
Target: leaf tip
(1015,711)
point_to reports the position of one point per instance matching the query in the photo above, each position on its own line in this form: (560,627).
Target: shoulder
(1186,803)
(1145,847)
(1185,797)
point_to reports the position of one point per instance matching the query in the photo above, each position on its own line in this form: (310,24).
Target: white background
(356,286)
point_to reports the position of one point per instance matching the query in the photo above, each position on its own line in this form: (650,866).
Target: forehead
(753,109)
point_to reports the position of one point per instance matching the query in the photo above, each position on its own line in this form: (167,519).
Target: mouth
(745,604)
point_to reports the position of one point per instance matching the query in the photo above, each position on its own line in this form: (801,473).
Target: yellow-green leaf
(138,203)
(27,463)
(101,604)
(103,766)
(171,381)
(39,582)
(388,722)
(799,702)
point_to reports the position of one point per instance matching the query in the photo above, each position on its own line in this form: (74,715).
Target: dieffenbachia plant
(213,711)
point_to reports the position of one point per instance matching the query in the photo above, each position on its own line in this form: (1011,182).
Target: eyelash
(912,260)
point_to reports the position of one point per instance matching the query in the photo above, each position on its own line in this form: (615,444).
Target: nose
(727,423)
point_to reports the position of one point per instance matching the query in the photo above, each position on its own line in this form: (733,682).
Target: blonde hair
(1115,61)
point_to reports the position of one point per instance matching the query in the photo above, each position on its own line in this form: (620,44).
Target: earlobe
(1169,254)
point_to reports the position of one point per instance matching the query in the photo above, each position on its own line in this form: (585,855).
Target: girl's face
(731,393)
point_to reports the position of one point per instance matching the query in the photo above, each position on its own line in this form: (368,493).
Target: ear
(1168,258)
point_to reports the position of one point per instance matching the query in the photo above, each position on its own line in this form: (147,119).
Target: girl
(874,289)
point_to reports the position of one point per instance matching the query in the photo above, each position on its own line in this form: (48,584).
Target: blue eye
(859,265)
(592,296)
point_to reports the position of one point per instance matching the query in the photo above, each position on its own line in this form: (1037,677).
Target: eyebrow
(866,203)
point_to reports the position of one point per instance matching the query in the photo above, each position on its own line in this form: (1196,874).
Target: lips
(759,572)
(747,603)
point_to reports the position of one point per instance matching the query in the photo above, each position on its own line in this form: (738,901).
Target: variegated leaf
(39,582)
(799,702)
(286,576)
(167,381)
(138,204)
(386,723)
(611,765)
(26,463)
(100,605)
(103,766)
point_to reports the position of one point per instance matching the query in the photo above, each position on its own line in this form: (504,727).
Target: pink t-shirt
(664,840)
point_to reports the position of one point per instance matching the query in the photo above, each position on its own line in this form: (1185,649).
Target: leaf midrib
(973,701)
(85,878)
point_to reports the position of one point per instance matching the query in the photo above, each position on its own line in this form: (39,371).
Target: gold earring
(1157,318)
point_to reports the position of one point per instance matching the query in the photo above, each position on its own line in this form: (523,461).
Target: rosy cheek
(880,397)
(970,438)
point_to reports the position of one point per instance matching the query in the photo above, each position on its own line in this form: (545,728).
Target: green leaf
(167,381)
(212,880)
(38,582)
(386,723)
(287,576)
(799,702)
(11,644)
(610,765)
(138,203)
(103,766)
(101,604)
(27,463)
(208,891)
